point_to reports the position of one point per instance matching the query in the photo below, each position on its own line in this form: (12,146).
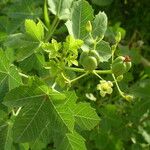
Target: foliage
(59,82)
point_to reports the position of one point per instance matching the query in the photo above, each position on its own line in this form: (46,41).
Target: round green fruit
(89,60)
(95,54)
(121,65)
(89,63)
(118,69)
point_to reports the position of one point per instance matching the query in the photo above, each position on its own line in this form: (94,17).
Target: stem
(98,75)
(79,77)
(95,43)
(103,71)
(82,70)
(75,79)
(75,69)
(100,39)
(53,28)
(68,81)
(54,84)
(23,75)
(90,34)
(46,16)
(17,112)
(119,90)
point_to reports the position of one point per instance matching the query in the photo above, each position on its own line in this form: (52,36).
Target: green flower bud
(129,97)
(89,26)
(119,78)
(118,37)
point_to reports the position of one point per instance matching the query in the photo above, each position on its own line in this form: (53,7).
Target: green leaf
(24,44)
(60,8)
(82,12)
(14,79)
(3,112)
(71,99)
(71,45)
(35,61)
(99,25)
(25,95)
(38,145)
(104,50)
(67,117)
(30,122)
(22,96)
(41,109)
(63,116)
(29,43)
(52,48)
(7,27)
(72,141)
(85,116)
(20,10)
(36,31)
(6,135)
(45,136)
(8,73)
(70,48)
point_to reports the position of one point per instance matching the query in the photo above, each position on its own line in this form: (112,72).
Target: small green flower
(105,87)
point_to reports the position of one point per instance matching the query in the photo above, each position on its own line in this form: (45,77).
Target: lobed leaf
(82,12)
(31,121)
(72,141)
(8,73)
(36,31)
(85,116)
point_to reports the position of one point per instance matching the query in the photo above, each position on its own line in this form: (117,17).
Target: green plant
(43,69)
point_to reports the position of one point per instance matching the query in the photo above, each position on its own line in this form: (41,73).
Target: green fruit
(89,63)
(83,55)
(119,59)
(120,66)
(118,69)
(95,54)
(89,59)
